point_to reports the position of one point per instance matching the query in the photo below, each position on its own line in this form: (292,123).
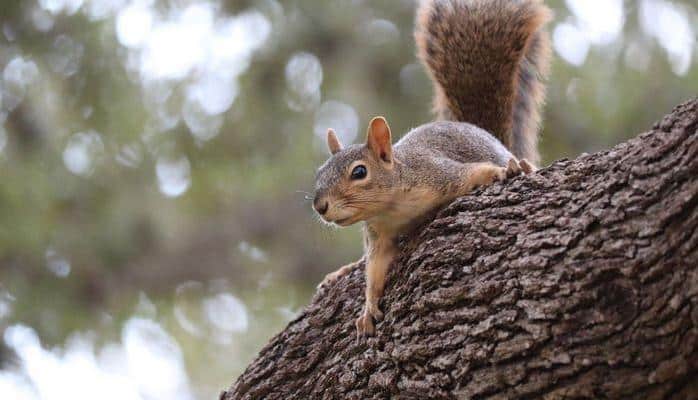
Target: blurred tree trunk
(580,281)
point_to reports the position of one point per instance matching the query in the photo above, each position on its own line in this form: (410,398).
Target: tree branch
(578,281)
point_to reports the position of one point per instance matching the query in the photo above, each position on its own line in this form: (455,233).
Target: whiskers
(361,203)
(307,196)
(345,210)
(327,226)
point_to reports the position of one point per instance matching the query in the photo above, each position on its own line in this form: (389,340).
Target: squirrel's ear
(379,140)
(333,142)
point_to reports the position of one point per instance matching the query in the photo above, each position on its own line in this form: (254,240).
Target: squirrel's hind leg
(333,276)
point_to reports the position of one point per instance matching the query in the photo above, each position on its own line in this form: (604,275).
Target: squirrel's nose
(320,205)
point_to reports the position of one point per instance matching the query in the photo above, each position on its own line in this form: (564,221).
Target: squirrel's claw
(526,166)
(513,168)
(374,311)
(364,325)
(517,167)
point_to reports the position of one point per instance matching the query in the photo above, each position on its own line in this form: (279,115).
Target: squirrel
(488,60)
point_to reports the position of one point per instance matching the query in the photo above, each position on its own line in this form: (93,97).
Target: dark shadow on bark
(580,281)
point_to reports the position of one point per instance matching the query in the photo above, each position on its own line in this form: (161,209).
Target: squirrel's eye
(359,172)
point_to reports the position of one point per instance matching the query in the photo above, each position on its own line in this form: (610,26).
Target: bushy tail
(488,60)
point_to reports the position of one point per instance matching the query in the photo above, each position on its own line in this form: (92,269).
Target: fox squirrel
(487,59)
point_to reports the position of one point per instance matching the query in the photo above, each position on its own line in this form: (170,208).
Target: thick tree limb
(580,281)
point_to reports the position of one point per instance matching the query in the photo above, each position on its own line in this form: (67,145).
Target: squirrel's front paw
(513,168)
(526,166)
(516,168)
(364,325)
(374,311)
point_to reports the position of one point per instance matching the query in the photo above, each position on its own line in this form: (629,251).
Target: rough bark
(580,281)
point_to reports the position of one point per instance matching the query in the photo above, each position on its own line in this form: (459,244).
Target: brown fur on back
(488,60)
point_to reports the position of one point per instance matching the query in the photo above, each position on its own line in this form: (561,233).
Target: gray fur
(335,168)
(427,156)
